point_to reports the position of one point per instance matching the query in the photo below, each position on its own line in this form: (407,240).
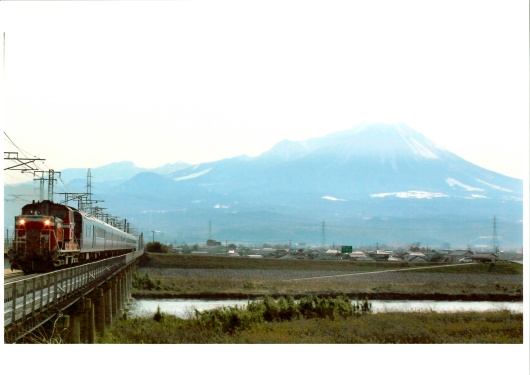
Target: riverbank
(370,296)
(209,277)
(315,320)
(162,276)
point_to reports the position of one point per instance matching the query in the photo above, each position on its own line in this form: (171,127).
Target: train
(50,236)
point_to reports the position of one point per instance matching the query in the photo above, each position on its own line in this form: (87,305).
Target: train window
(59,213)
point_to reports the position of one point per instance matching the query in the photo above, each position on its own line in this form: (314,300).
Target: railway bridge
(71,305)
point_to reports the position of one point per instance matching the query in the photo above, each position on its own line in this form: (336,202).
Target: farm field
(197,276)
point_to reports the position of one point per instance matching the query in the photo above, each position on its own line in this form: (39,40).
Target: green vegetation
(324,312)
(157,247)
(145,283)
(315,320)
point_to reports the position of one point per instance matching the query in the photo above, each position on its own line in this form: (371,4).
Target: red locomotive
(49,236)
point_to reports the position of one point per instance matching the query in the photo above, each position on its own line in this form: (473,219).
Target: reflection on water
(184,307)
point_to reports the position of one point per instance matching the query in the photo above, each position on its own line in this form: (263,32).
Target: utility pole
(89,190)
(41,179)
(51,180)
(495,242)
(85,201)
(89,208)
(21,164)
(74,196)
(323,233)
(155,231)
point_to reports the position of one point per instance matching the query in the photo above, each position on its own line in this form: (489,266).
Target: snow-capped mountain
(376,161)
(373,183)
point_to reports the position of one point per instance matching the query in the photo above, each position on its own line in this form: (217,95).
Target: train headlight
(47,222)
(22,222)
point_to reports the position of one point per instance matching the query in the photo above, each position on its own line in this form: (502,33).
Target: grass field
(315,320)
(164,261)
(285,281)
(171,275)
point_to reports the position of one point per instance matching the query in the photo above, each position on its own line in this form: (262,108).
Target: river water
(184,307)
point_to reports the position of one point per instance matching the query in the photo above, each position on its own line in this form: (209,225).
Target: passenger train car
(49,236)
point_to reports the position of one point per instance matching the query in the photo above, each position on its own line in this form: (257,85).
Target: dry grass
(181,275)
(493,327)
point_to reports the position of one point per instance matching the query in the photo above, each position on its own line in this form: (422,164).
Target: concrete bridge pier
(99,307)
(130,271)
(81,327)
(126,290)
(90,324)
(121,298)
(91,314)
(109,313)
(74,330)
(118,311)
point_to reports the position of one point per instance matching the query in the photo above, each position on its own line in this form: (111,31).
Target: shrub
(157,247)
(158,317)
(341,306)
(233,318)
(145,283)
(226,319)
(362,307)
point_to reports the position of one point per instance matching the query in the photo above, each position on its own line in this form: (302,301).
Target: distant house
(456,255)
(380,255)
(435,256)
(414,256)
(326,255)
(417,259)
(333,252)
(484,258)
(359,256)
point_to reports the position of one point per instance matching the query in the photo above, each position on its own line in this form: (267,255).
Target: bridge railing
(39,295)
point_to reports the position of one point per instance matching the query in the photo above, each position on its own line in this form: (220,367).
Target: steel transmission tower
(494,238)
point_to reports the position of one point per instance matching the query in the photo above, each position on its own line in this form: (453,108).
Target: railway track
(15,276)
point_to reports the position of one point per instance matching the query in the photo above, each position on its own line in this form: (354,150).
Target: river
(184,307)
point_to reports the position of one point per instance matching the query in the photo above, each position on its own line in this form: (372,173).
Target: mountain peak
(374,140)
(385,139)
(286,150)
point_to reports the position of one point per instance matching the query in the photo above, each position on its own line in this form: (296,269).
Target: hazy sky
(91,83)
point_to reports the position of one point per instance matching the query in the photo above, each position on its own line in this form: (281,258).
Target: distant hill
(116,172)
(371,184)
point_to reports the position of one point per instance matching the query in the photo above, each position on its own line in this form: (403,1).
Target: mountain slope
(385,171)
(372,183)
(376,161)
